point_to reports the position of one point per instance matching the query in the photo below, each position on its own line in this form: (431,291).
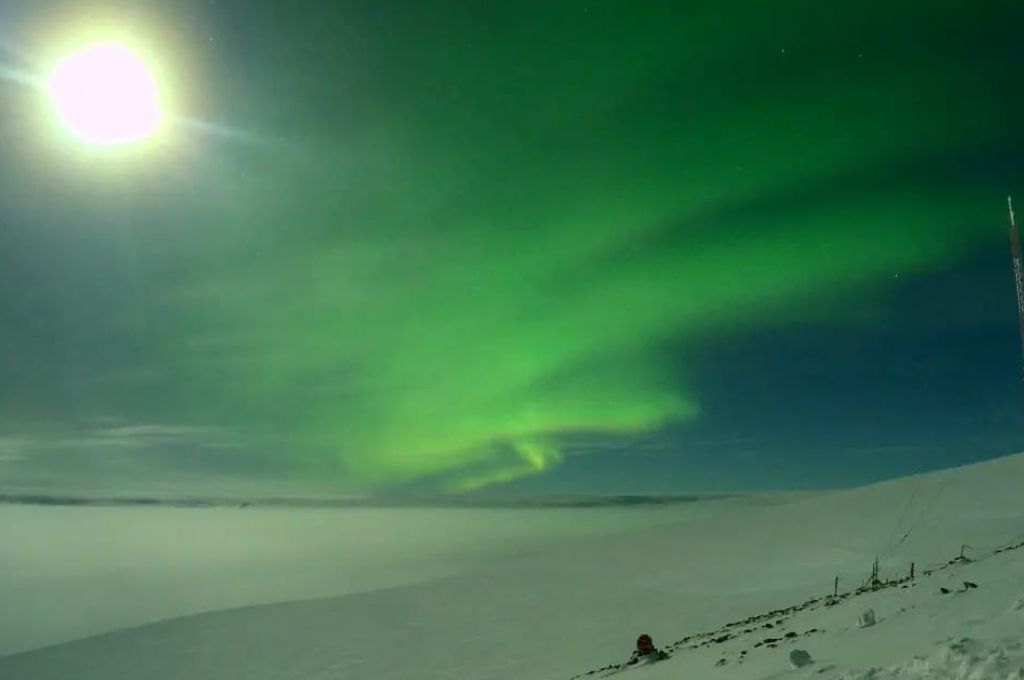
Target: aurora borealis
(455,238)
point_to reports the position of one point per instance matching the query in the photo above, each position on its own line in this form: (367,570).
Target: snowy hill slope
(578,604)
(969,633)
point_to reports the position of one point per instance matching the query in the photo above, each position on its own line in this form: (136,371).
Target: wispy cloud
(131,458)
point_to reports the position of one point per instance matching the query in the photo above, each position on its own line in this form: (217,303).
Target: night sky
(529,247)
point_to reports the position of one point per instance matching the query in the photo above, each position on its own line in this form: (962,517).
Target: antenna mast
(1017,275)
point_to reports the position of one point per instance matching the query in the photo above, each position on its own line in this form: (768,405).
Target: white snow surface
(545,594)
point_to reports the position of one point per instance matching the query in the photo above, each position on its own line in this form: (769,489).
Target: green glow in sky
(480,232)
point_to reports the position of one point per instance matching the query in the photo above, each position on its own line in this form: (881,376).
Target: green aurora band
(484,228)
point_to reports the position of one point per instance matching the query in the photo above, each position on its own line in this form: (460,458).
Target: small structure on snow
(866,619)
(646,652)
(800,658)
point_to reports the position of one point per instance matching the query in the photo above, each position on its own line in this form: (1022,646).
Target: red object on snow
(644,643)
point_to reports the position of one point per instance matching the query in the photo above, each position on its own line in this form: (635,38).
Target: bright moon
(104,94)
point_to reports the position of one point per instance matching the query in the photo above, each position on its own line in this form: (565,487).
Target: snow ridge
(962,659)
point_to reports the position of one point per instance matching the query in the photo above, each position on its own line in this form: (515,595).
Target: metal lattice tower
(1017,275)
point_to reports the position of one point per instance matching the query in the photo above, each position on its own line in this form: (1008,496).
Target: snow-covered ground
(72,572)
(551,594)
